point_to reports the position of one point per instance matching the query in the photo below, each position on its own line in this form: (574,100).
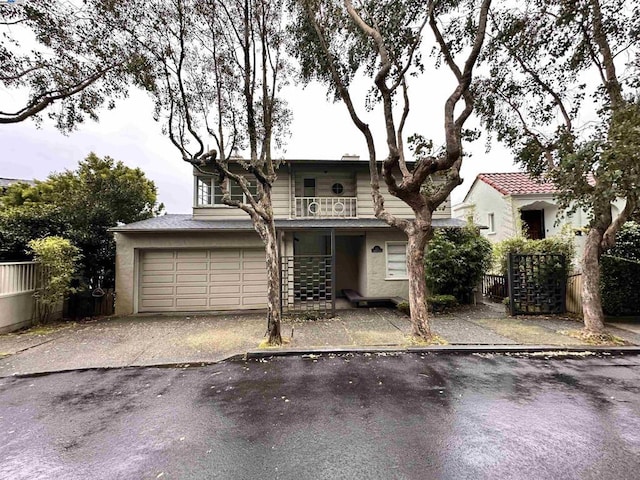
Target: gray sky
(320,129)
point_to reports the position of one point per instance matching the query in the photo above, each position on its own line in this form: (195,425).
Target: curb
(451,349)
(291,352)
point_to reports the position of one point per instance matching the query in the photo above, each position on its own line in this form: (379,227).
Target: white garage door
(198,280)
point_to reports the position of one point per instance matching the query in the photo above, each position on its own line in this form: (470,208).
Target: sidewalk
(161,340)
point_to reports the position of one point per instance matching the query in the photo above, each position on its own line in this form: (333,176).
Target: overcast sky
(320,129)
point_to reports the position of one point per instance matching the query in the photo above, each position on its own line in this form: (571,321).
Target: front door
(533,223)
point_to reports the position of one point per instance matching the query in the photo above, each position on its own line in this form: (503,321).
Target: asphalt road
(439,416)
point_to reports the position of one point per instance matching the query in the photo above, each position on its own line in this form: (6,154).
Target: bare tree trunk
(274,310)
(417,242)
(591,298)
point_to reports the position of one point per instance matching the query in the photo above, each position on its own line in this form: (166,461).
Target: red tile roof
(517,183)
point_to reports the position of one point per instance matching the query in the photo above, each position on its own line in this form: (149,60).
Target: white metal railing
(18,277)
(326,207)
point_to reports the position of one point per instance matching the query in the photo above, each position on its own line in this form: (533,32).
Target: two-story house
(213,259)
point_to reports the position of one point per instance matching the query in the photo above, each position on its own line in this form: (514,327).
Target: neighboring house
(510,204)
(213,259)
(5,182)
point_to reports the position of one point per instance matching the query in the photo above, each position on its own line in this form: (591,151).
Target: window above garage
(209,193)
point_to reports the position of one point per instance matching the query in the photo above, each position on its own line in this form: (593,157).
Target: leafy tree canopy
(563,94)
(80,205)
(62,58)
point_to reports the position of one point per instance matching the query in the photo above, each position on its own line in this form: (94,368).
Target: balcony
(326,207)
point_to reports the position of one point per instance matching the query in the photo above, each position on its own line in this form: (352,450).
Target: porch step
(359,301)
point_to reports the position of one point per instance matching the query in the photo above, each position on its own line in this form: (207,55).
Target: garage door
(199,280)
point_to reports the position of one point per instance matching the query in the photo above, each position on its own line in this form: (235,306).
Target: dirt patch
(599,339)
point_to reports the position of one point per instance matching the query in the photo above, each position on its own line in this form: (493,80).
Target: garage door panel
(192,266)
(157,290)
(228,277)
(189,278)
(224,289)
(254,265)
(255,277)
(198,280)
(192,254)
(161,266)
(254,289)
(158,254)
(254,254)
(150,279)
(191,302)
(222,302)
(254,301)
(157,302)
(191,290)
(221,266)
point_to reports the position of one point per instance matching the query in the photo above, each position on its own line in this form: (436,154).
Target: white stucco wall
(16,311)
(483,200)
(376,284)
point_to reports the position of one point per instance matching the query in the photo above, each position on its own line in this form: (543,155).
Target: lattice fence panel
(537,284)
(307,284)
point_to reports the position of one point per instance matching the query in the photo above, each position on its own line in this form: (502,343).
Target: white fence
(18,282)
(18,277)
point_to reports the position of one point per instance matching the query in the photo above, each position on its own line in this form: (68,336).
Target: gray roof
(186,222)
(5,182)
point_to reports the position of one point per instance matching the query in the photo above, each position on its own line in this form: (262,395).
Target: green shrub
(627,242)
(560,245)
(620,286)
(436,303)
(403,307)
(455,261)
(58,260)
(441,303)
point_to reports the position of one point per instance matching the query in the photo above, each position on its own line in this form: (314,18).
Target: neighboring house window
(397,260)
(492,223)
(209,193)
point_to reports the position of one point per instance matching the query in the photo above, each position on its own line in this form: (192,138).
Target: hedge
(620,286)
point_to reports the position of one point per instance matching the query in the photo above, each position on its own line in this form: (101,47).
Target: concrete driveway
(156,340)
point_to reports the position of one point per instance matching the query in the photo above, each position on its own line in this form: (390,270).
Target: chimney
(350,157)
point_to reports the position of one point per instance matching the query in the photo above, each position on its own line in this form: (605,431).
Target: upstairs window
(492,223)
(209,193)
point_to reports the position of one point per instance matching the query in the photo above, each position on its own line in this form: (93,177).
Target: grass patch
(413,341)
(596,339)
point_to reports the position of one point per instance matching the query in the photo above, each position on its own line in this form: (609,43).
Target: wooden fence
(495,287)
(574,294)
(89,304)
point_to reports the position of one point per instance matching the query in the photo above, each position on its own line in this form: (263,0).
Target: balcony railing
(326,207)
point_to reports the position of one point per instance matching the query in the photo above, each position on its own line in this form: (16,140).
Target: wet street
(440,416)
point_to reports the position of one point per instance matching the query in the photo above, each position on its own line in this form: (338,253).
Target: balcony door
(309,187)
